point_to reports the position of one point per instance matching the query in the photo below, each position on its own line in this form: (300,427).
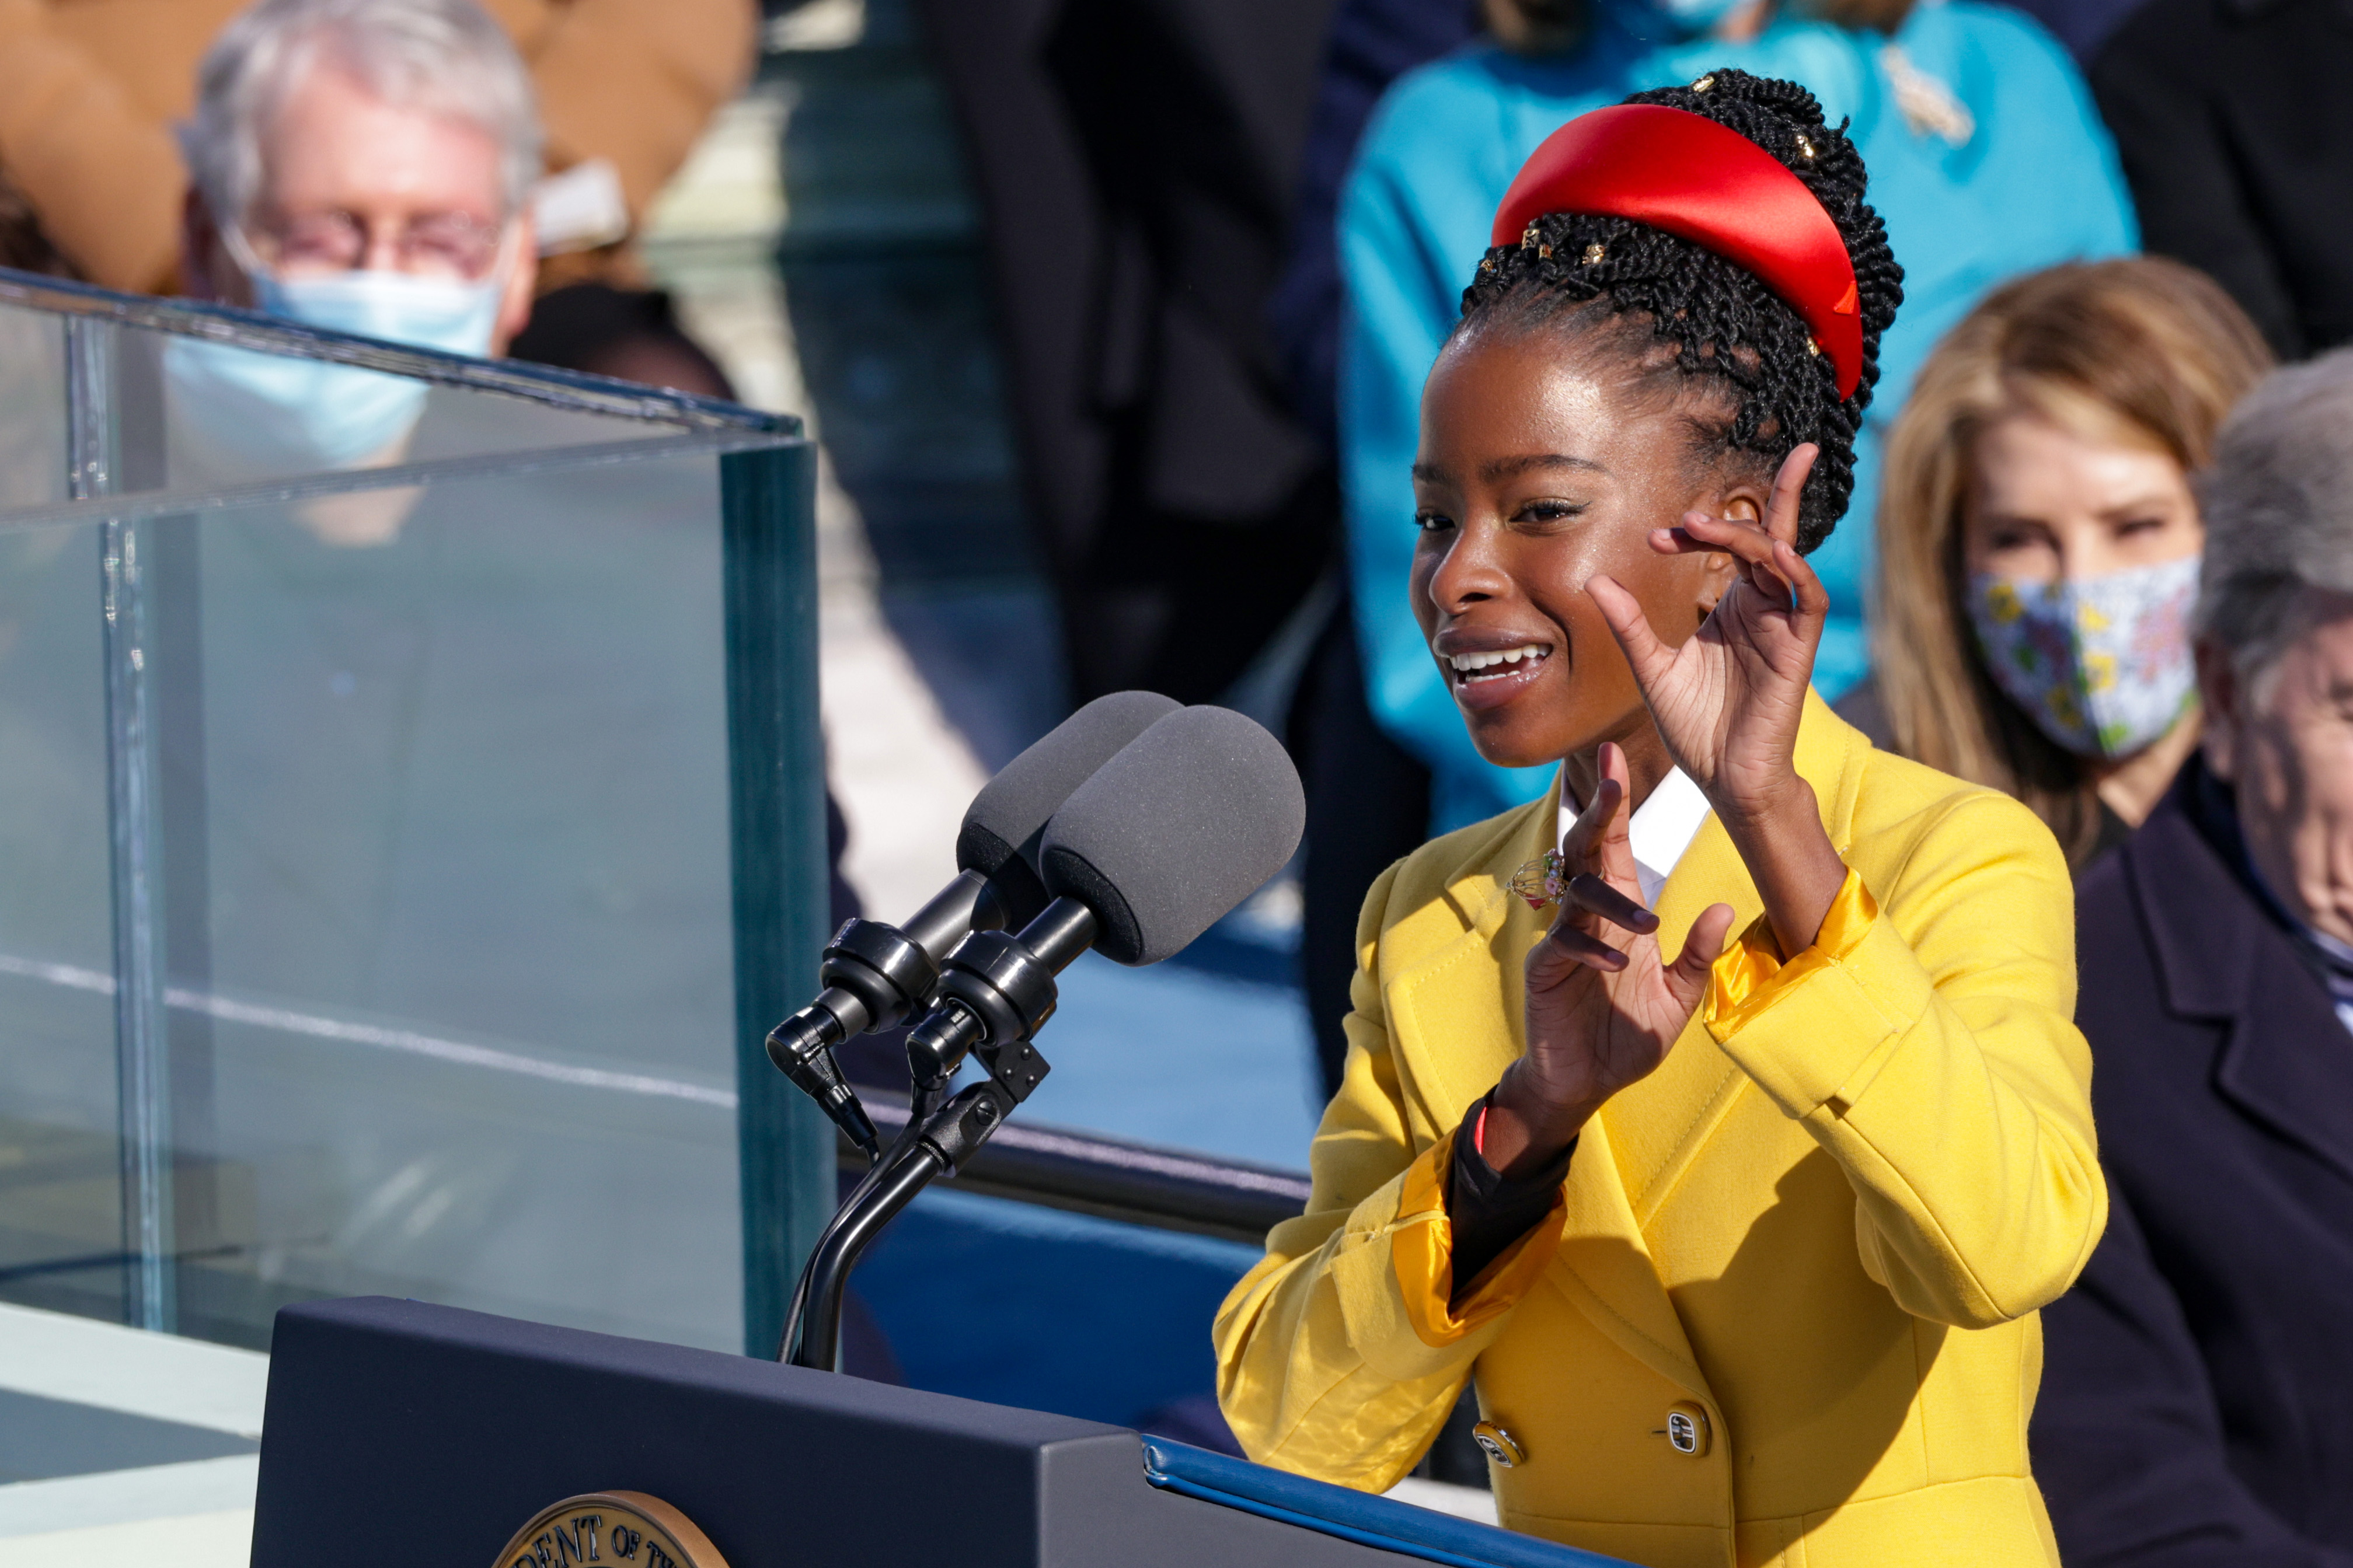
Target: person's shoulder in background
(632,84)
(2025,97)
(1438,152)
(2008,32)
(2001,62)
(1481,109)
(2108,923)
(1987,159)
(1446,139)
(2017,82)
(1409,226)
(1443,122)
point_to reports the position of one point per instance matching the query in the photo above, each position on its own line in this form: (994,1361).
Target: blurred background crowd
(1110,317)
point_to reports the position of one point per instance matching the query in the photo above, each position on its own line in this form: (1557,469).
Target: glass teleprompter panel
(450,1014)
(60,1204)
(386,825)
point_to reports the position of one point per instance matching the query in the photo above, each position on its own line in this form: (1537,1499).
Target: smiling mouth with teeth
(1470,668)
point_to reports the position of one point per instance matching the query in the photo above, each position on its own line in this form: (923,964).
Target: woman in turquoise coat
(1987,159)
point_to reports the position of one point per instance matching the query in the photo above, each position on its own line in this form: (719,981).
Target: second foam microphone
(876,976)
(1186,821)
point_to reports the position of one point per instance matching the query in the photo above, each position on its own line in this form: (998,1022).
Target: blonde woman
(2039,540)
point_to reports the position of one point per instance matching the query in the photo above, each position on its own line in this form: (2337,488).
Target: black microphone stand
(996,991)
(874,976)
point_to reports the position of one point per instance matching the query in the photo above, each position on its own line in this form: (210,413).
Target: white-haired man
(364,166)
(367,166)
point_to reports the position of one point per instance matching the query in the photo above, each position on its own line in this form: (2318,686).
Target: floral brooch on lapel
(1542,880)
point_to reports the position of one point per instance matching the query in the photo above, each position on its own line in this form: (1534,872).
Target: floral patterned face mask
(2102,664)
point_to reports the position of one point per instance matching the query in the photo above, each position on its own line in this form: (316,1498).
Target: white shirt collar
(1663,829)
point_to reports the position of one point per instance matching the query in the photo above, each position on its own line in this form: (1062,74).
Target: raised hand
(1729,701)
(1603,1006)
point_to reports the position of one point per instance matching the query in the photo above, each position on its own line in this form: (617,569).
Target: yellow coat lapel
(1456,1021)
(1661,1123)
(1456,1013)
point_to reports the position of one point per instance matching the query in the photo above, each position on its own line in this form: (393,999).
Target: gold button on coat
(1687,1429)
(1497,1444)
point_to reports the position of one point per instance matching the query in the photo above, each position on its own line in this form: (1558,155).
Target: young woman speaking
(1722,1115)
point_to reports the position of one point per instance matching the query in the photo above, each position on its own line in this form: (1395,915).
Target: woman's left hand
(1728,701)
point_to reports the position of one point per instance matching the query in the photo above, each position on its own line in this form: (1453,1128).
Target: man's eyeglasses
(438,244)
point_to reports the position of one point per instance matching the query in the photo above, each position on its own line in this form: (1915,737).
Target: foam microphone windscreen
(1012,806)
(1184,823)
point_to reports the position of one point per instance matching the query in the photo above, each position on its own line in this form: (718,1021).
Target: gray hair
(2278,505)
(443,56)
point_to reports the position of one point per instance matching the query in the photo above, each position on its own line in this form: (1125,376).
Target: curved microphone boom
(1188,820)
(875,975)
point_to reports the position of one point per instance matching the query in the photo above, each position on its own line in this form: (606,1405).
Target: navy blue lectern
(398,1433)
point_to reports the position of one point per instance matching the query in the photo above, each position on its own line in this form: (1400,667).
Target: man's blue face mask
(293,415)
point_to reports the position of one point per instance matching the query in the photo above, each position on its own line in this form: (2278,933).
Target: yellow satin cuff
(1750,976)
(1421,1251)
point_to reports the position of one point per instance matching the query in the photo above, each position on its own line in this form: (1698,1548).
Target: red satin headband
(1692,177)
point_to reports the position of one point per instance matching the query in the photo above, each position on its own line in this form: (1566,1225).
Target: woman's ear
(1744,500)
(1716,576)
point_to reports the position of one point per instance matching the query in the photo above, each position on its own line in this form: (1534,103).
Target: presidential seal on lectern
(624,1530)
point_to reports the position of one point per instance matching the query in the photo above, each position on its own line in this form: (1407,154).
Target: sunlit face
(2047,505)
(2288,745)
(1535,472)
(421,192)
(351,182)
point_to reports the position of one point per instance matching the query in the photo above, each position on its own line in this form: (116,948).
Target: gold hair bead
(1805,149)
(1703,84)
(1529,237)
(1544,253)
(1812,347)
(1593,254)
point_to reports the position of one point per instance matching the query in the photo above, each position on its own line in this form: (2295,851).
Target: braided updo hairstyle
(1703,324)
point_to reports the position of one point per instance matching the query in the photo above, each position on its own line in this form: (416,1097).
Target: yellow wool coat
(1822,1228)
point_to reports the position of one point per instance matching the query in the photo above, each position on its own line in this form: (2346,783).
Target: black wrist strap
(1490,1210)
